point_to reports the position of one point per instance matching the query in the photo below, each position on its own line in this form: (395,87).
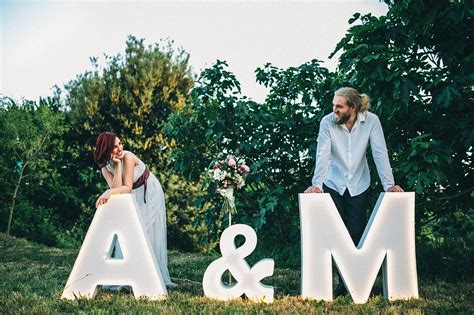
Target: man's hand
(395,188)
(312,190)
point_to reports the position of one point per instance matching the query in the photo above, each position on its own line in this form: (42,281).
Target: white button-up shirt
(341,155)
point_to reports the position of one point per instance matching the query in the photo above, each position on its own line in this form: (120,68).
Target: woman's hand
(117,159)
(103,198)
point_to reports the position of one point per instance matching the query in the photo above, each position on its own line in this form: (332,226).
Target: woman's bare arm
(117,181)
(109,177)
(128,168)
(129,161)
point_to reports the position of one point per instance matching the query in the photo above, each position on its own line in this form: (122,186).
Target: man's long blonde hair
(361,102)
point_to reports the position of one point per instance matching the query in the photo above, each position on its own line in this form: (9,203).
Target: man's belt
(141,181)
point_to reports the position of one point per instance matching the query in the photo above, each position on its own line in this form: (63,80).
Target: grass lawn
(33,277)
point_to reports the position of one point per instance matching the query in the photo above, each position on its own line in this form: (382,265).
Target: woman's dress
(153,214)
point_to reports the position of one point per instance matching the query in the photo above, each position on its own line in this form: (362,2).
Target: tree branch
(448,197)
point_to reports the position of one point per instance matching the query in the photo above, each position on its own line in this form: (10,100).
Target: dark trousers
(353,211)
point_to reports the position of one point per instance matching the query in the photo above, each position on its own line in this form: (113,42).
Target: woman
(126,173)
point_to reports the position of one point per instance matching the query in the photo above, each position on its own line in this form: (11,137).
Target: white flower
(217,174)
(226,192)
(239,180)
(223,175)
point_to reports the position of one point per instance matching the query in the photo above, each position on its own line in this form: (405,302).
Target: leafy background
(415,63)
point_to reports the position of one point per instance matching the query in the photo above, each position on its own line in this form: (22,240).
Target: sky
(44,43)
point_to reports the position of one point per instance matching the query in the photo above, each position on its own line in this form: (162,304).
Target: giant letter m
(388,241)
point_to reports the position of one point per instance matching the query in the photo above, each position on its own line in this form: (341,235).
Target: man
(341,165)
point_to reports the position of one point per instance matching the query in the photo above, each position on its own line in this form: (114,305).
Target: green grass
(33,277)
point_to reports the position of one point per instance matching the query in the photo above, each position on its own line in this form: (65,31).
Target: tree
(416,63)
(27,131)
(132,95)
(418,72)
(274,138)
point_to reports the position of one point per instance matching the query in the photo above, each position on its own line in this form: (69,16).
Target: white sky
(49,42)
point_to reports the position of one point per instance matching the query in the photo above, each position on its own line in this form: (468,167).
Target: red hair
(104,147)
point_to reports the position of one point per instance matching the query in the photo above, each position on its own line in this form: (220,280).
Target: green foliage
(421,88)
(183,230)
(274,137)
(132,95)
(36,276)
(416,64)
(30,168)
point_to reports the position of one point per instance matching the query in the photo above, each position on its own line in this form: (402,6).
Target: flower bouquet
(228,174)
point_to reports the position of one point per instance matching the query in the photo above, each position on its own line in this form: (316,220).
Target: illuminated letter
(388,240)
(116,227)
(233,259)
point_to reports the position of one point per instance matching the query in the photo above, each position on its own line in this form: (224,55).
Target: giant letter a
(388,240)
(116,228)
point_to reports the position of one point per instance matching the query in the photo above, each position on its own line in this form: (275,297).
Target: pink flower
(232,162)
(217,165)
(245,168)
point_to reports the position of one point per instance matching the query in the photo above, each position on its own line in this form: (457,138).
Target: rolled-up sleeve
(323,152)
(380,155)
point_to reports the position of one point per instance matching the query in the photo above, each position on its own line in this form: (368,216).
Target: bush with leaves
(132,95)
(35,193)
(418,72)
(275,138)
(416,64)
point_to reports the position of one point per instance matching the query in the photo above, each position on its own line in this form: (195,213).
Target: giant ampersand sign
(233,259)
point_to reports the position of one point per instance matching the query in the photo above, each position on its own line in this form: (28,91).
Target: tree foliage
(274,137)
(132,95)
(31,146)
(416,63)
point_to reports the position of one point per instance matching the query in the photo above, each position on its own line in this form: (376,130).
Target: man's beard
(342,119)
